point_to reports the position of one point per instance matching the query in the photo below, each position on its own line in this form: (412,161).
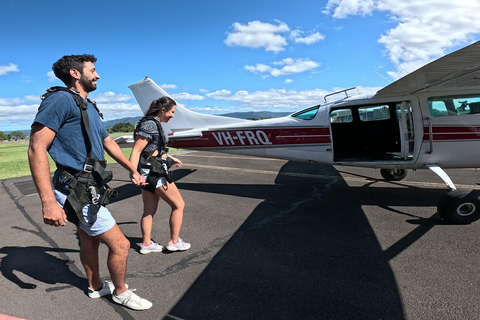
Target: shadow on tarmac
(308,254)
(48,268)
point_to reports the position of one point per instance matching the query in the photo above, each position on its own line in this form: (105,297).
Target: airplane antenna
(382,76)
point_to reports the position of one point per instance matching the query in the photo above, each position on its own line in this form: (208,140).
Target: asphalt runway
(271,239)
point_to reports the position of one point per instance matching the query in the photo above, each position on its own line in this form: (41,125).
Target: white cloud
(258,34)
(288,80)
(119,110)
(8,68)
(186,96)
(219,94)
(297,36)
(109,97)
(343,8)
(51,76)
(288,66)
(168,86)
(425,31)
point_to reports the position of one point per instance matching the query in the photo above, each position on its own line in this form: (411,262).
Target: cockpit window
(306,114)
(454,105)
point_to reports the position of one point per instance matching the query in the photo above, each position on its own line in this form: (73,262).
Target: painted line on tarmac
(346,179)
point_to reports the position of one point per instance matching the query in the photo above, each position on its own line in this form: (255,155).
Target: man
(57,129)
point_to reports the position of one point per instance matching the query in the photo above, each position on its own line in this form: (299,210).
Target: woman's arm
(116,153)
(140,144)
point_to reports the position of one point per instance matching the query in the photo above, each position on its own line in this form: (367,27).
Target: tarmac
(271,239)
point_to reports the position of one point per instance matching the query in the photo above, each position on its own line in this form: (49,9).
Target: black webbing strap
(88,186)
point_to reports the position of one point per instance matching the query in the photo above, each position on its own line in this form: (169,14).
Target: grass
(14,158)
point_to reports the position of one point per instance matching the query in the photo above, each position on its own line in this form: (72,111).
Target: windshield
(306,114)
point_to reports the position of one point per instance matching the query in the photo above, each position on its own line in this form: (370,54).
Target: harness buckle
(94,194)
(88,168)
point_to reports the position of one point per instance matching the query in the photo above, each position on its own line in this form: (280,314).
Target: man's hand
(54,215)
(137,179)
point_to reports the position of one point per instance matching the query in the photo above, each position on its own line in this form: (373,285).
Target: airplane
(430,118)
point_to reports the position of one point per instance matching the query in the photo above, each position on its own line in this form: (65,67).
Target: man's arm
(116,153)
(41,138)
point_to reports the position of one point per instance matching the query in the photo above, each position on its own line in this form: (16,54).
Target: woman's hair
(159,104)
(62,67)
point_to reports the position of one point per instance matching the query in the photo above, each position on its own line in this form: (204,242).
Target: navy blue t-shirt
(60,113)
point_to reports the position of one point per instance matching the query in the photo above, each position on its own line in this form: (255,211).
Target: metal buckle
(87,168)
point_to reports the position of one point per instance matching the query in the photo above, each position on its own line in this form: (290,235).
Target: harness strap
(89,185)
(158,168)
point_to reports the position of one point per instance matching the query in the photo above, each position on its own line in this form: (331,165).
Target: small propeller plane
(428,119)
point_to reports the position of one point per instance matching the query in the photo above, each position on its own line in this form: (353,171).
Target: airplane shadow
(306,252)
(48,268)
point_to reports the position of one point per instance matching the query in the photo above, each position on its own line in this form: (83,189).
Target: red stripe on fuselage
(441,133)
(252,137)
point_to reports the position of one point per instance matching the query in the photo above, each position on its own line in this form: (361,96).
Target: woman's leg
(170,194)
(150,204)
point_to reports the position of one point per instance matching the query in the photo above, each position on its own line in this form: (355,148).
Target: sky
(217,56)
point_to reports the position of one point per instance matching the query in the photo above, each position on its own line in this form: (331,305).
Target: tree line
(15,135)
(121,127)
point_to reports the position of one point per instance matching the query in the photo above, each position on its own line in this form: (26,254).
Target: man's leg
(89,258)
(118,246)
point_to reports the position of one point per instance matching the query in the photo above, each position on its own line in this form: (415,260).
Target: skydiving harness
(89,185)
(158,166)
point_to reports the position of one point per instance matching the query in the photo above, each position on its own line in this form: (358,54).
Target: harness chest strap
(158,166)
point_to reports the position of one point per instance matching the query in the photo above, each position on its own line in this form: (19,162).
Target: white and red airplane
(427,119)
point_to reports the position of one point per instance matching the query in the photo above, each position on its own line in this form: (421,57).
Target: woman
(149,153)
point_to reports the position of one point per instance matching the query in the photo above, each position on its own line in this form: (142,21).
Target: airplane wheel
(460,206)
(393,174)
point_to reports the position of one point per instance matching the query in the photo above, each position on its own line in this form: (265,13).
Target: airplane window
(454,105)
(374,113)
(341,116)
(307,114)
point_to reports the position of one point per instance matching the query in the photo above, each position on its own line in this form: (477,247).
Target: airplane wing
(460,69)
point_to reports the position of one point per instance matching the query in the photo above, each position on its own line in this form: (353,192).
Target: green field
(14,159)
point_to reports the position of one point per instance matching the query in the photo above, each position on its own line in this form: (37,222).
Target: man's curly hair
(62,67)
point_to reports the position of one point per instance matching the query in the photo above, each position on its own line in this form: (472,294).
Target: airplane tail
(185,123)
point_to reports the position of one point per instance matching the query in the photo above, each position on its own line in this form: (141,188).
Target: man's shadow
(36,262)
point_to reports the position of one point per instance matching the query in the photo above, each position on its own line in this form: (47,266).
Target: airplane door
(376,132)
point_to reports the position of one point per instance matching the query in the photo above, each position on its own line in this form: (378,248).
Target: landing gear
(460,206)
(393,174)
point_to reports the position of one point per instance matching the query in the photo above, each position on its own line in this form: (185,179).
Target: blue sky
(224,56)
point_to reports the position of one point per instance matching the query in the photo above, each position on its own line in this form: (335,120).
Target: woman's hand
(177,162)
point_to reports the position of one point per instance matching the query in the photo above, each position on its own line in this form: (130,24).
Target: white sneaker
(179,246)
(132,301)
(107,289)
(152,247)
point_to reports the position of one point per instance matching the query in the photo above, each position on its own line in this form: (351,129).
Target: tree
(17,135)
(122,127)
(3,136)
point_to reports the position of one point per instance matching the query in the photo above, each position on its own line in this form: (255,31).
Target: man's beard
(86,84)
